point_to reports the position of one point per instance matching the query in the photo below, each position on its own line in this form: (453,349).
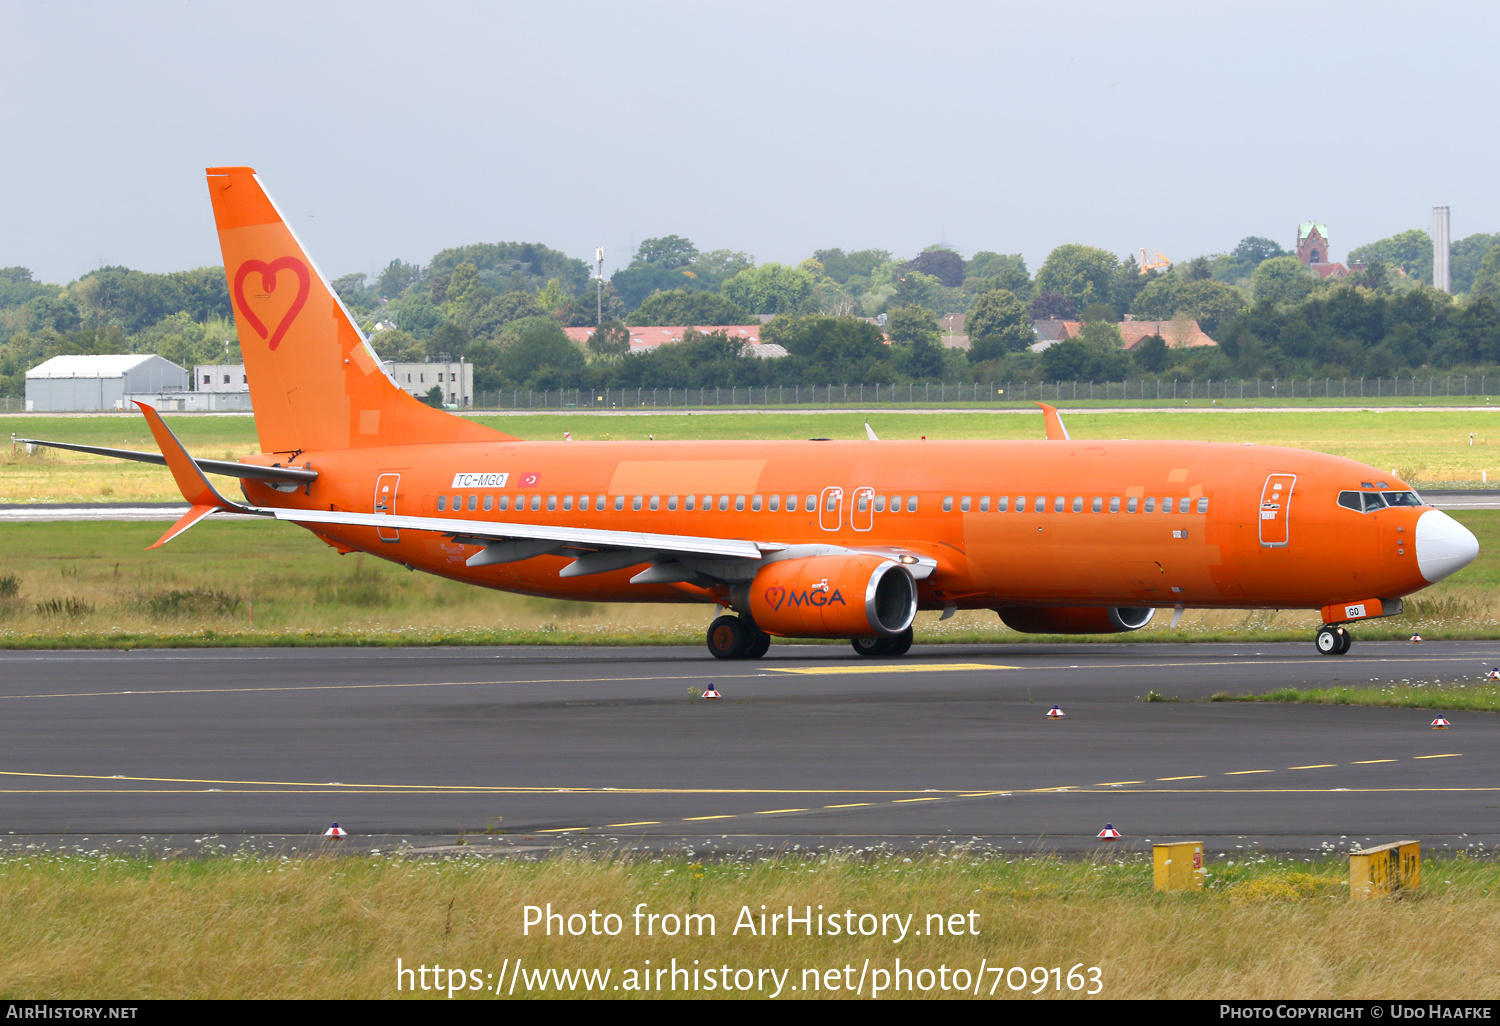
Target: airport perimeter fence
(1148,390)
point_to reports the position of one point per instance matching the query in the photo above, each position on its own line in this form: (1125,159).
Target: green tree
(610,341)
(915,333)
(534,350)
(1151,354)
(1282,280)
(690,306)
(823,348)
(435,397)
(669,251)
(943,264)
(1487,280)
(1080,274)
(771,289)
(1463,262)
(1006,271)
(841,266)
(416,314)
(1411,251)
(1210,302)
(397,277)
(997,324)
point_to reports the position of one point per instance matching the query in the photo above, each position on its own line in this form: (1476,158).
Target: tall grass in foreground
(255,926)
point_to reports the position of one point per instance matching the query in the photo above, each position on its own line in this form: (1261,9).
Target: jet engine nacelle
(840,596)
(1075,620)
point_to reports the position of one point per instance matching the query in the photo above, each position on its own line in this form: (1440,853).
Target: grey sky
(395,130)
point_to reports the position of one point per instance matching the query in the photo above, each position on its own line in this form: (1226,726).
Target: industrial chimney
(1440,248)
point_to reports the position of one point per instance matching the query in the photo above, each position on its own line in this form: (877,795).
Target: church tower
(1312,243)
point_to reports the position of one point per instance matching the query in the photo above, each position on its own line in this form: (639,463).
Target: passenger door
(831,508)
(385,503)
(862,516)
(1275,510)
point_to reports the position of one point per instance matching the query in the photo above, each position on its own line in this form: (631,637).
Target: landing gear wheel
(900,644)
(759,646)
(871,646)
(729,638)
(1332,640)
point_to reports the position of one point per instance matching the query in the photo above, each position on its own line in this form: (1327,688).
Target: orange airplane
(815,539)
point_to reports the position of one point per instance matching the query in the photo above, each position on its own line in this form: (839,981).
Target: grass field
(255,927)
(1425,447)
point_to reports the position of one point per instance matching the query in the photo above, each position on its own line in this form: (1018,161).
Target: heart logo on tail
(268,284)
(775,597)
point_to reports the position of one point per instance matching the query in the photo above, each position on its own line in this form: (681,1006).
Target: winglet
(195,488)
(870,432)
(1056,431)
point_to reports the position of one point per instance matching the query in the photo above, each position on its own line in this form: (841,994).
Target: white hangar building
(99,382)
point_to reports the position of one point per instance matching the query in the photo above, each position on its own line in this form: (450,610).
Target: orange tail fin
(314,381)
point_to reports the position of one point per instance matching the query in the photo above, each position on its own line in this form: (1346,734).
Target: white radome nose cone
(1444,546)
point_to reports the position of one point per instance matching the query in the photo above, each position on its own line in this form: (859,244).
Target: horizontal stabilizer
(187,520)
(244,471)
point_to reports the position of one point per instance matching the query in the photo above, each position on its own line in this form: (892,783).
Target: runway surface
(811,746)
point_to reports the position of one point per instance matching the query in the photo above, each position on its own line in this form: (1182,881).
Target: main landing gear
(896,646)
(736,637)
(1333,639)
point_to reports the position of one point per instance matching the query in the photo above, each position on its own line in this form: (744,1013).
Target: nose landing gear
(1333,639)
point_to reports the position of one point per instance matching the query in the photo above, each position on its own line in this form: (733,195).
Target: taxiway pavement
(812,746)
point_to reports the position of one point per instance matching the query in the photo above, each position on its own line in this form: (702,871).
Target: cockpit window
(1369,502)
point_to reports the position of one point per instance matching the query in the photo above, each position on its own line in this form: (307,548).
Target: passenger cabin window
(984,504)
(739,503)
(774,503)
(619,503)
(1166,505)
(442,503)
(1130,505)
(671,503)
(473,503)
(1114,504)
(791,504)
(895,504)
(755,503)
(880,504)
(1058,504)
(583,504)
(911,504)
(503,503)
(1002,503)
(947,504)
(690,503)
(551,504)
(1202,505)
(724,503)
(1151,505)
(1098,505)
(1078,504)
(655,503)
(1020,504)
(811,504)
(489,503)
(536,503)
